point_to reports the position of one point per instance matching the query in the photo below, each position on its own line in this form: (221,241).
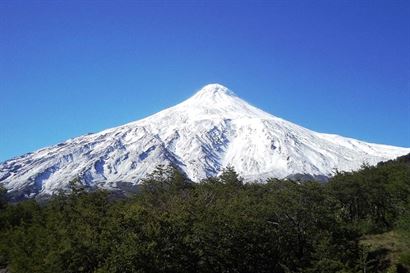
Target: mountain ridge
(201,135)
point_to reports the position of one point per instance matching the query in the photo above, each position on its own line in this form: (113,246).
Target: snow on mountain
(202,135)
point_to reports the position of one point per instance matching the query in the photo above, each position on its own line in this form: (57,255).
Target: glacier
(201,136)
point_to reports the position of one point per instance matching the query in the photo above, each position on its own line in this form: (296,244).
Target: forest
(357,222)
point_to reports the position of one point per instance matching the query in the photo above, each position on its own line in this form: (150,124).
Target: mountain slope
(202,135)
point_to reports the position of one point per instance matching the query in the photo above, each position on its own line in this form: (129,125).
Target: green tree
(230,177)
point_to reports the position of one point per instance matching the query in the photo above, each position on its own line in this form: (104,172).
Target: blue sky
(68,68)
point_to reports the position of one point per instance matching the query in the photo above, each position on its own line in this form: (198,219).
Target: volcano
(201,136)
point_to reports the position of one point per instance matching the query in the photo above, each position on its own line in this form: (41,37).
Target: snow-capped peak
(214,91)
(211,96)
(215,101)
(207,132)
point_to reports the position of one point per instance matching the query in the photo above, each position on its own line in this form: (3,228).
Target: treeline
(219,225)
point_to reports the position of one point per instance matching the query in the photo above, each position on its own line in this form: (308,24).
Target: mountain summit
(212,93)
(200,136)
(214,89)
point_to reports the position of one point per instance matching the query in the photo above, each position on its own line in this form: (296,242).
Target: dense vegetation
(219,225)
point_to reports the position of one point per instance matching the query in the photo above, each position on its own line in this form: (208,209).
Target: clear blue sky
(72,67)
